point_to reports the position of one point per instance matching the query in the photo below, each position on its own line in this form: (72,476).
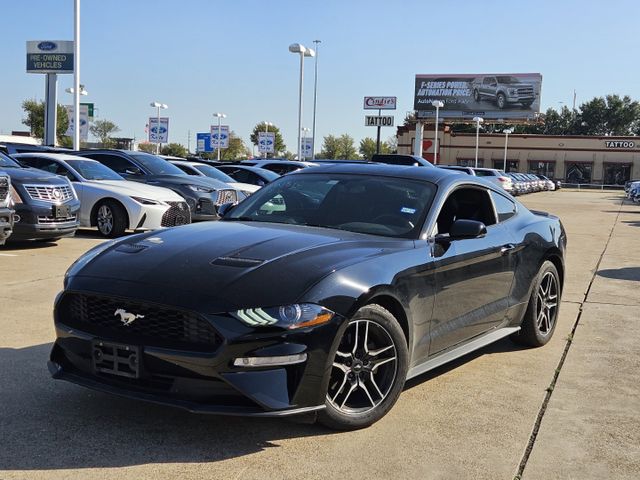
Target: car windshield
(508,79)
(92,170)
(387,206)
(213,172)
(156,165)
(6,162)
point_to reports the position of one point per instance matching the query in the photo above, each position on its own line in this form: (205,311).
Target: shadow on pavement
(27,245)
(48,424)
(625,273)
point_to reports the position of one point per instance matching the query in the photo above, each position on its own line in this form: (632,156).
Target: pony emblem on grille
(125,317)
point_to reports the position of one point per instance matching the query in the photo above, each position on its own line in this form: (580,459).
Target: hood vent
(131,248)
(237,262)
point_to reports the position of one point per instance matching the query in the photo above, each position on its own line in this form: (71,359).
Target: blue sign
(203,142)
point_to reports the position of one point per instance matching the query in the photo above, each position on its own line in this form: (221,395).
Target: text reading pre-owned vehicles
(364,276)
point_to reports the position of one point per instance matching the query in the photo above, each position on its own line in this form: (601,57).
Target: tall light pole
(507,132)
(304,140)
(478,121)
(303,52)
(76,75)
(315,102)
(266,130)
(159,106)
(438,104)
(220,117)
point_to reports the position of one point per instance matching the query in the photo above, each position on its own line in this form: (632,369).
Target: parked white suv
(496,176)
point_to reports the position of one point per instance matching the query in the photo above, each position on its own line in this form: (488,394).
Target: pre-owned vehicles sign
(491,95)
(49,56)
(380,103)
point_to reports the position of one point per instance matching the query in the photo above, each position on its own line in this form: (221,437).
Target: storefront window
(578,173)
(616,174)
(512,165)
(547,169)
(470,162)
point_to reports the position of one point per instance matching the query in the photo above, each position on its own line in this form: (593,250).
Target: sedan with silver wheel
(108,201)
(363,277)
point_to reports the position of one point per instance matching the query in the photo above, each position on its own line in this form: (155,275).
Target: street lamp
(266,130)
(304,140)
(507,132)
(315,102)
(159,106)
(220,117)
(72,90)
(438,104)
(303,52)
(478,121)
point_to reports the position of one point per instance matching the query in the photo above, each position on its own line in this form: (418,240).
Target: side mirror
(133,171)
(225,208)
(463,229)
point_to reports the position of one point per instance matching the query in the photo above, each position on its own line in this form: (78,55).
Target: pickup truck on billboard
(503,90)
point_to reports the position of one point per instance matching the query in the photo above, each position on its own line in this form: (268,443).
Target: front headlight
(146,201)
(198,188)
(512,91)
(288,316)
(85,259)
(15,196)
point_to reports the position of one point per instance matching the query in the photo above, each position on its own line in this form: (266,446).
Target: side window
(118,164)
(241,176)
(468,204)
(505,208)
(186,169)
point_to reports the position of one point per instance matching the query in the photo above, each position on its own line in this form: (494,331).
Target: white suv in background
(496,176)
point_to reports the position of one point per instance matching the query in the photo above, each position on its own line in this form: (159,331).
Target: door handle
(507,248)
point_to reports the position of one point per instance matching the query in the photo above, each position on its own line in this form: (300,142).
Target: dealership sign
(490,95)
(380,103)
(378,120)
(266,142)
(49,56)
(158,134)
(619,144)
(307,147)
(84,121)
(219,139)
(203,142)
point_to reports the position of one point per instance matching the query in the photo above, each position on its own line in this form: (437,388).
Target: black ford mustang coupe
(322,292)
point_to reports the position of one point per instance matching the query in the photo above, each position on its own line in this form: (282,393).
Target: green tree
(611,115)
(261,127)
(368,148)
(341,147)
(34,111)
(174,150)
(103,129)
(147,147)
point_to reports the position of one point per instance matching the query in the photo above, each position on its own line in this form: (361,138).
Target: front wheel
(539,321)
(111,219)
(368,371)
(501,101)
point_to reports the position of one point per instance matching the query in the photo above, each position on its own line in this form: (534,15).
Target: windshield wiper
(240,219)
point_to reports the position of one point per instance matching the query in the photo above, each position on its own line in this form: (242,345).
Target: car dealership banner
(203,142)
(266,142)
(219,139)
(158,135)
(84,121)
(492,96)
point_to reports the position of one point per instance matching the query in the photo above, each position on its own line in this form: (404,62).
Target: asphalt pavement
(568,410)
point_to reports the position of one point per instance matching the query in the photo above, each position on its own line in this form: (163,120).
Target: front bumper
(201,379)
(36,222)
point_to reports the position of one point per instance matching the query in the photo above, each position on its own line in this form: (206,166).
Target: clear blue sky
(203,56)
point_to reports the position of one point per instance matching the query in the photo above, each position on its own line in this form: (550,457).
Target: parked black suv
(6,212)
(46,205)
(203,195)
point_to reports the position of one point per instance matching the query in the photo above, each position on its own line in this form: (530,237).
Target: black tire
(111,219)
(535,331)
(476,95)
(501,101)
(362,367)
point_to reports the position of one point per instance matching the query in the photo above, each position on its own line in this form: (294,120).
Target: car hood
(31,175)
(136,189)
(185,180)
(245,187)
(223,266)
(518,85)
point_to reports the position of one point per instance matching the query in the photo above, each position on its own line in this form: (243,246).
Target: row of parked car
(47,193)
(632,189)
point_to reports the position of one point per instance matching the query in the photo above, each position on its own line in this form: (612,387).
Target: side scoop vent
(237,262)
(131,248)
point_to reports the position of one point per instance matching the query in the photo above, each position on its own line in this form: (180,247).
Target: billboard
(158,135)
(203,142)
(380,103)
(492,96)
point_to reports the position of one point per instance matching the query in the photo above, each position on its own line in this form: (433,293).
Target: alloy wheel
(364,368)
(547,303)
(105,220)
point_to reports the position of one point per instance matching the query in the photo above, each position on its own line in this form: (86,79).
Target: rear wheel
(111,219)
(501,101)
(540,319)
(368,371)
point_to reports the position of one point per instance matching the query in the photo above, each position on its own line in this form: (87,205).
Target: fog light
(16,218)
(270,361)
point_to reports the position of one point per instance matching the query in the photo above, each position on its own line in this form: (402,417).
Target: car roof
(298,163)
(182,161)
(53,156)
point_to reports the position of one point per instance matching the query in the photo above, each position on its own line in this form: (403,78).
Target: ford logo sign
(47,46)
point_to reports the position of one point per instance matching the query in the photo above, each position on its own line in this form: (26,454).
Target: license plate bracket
(116,359)
(61,211)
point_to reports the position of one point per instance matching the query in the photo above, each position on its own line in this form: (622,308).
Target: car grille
(206,207)
(154,325)
(4,188)
(50,193)
(51,220)
(178,214)
(526,91)
(227,196)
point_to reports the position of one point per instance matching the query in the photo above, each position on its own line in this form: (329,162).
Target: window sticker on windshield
(407,210)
